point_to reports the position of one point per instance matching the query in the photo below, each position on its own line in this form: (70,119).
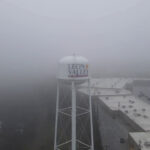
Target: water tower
(71,131)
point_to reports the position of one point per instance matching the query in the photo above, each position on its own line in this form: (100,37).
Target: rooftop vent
(130,106)
(143,109)
(130,101)
(145,116)
(107,97)
(99,92)
(117,91)
(123,106)
(138,114)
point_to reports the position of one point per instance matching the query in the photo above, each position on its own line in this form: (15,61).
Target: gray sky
(35,34)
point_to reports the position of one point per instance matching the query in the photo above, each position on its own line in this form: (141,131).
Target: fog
(34,35)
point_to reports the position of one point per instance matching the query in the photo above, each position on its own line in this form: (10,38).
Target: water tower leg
(56,119)
(91,116)
(73,116)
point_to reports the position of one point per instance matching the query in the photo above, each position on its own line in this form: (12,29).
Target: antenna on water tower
(73,70)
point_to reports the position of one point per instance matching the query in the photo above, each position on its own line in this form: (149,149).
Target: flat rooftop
(132,107)
(109,82)
(142,139)
(105,92)
(112,93)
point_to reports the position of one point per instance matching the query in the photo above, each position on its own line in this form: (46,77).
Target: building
(123,116)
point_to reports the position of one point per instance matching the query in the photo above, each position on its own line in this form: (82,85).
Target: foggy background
(35,34)
(113,34)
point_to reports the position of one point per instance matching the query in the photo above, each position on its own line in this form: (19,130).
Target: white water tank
(73,68)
